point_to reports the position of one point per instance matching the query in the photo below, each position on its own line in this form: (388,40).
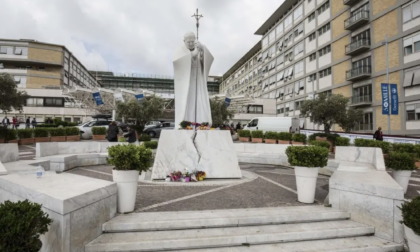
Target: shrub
(324,144)
(285,136)
(11,134)
(185,124)
(21,224)
(330,137)
(307,156)
(72,131)
(122,140)
(144,138)
(298,137)
(244,133)
(98,131)
(412,149)
(151,145)
(385,146)
(48,125)
(57,132)
(130,157)
(400,161)
(25,133)
(71,124)
(3,132)
(271,135)
(342,141)
(40,132)
(411,214)
(257,134)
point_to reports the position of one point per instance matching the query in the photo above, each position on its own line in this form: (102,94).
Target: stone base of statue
(211,151)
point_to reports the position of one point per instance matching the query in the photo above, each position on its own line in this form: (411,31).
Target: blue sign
(139,97)
(98,98)
(227,101)
(385,98)
(394,99)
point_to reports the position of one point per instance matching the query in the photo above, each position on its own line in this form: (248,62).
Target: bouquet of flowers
(187,175)
(175,176)
(200,175)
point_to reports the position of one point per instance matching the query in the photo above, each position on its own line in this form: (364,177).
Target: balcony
(350,2)
(364,127)
(358,47)
(358,73)
(356,20)
(363,100)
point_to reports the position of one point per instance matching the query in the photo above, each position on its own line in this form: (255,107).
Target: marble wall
(9,152)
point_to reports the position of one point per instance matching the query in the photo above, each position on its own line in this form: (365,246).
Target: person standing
(131,135)
(113,131)
(378,135)
(28,122)
(238,126)
(5,122)
(14,122)
(33,123)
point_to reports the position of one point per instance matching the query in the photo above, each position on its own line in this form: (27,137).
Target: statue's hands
(195,52)
(199,46)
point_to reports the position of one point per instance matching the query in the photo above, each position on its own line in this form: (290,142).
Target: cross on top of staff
(197,18)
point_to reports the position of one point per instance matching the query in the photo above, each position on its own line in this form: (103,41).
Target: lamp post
(387,81)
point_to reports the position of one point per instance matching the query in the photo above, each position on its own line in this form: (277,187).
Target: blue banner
(139,97)
(227,101)
(98,98)
(385,98)
(394,99)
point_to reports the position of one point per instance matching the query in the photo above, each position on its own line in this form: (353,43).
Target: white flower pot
(127,189)
(306,183)
(402,178)
(412,238)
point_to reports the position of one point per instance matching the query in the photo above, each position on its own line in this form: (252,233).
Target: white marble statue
(192,64)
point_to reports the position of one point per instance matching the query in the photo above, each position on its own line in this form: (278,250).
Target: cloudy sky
(137,36)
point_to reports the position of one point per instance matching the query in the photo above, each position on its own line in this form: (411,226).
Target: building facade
(43,70)
(338,46)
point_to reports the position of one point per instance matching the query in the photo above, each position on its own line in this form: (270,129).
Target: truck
(277,124)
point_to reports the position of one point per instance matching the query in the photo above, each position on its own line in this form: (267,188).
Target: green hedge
(285,136)
(330,137)
(412,149)
(307,156)
(41,132)
(244,133)
(145,138)
(411,214)
(151,145)
(3,132)
(324,144)
(57,132)
(72,131)
(48,125)
(98,131)
(271,135)
(400,161)
(385,146)
(130,157)
(257,134)
(25,133)
(298,137)
(11,134)
(342,141)
(122,140)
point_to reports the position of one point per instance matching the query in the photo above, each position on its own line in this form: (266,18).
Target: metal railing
(361,99)
(364,127)
(356,17)
(357,44)
(355,72)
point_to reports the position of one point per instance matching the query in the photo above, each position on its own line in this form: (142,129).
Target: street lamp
(387,80)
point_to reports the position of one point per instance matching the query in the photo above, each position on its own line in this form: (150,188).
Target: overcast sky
(137,36)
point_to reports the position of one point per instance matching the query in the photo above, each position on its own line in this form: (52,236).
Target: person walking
(378,135)
(28,122)
(112,134)
(33,123)
(5,122)
(131,135)
(14,123)
(238,126)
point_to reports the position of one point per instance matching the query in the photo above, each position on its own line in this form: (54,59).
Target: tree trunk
(327,128)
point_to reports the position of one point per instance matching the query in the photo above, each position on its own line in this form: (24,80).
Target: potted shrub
(145,138)
(285,137)
(257,136)
(270,137)
(385,146)
(320,143)
(411,222)
(244,135)
(151,145)
(11,136)
(41,135)
(402,165)
(299,139)
(57,135)
(22,223)
(307,160)
(98,133)
(412,149)
(25,136)
(72,134)
(341,141)
(129,161)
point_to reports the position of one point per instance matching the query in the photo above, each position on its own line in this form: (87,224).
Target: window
(34,102)
(299,67)
(298,12)
(265,42)
(324,50)
(325,72)
(413,111)
(18,51)
(290,72)
(312,77)
(363,92)
(54,102)
(299,29)
(366,62)
(289,55)
(412,45)
(361,36)
(312,57)
(279,30)
(311,17)
(272,36)
(299,87)
(3,50)
(280,60)
(280,109)
(272,51)
(288,38)
(312,36)
(324,29)
(288,21)
(411,11)
(412,78)
(299,48)
(298,104)
(324,7)
(280,76)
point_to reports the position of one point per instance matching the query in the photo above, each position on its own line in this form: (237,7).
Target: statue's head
(189,40)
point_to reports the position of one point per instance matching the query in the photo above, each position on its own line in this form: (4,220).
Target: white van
(277,124)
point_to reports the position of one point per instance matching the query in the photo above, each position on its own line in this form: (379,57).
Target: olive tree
(148,109)
(220,114)
(10,97)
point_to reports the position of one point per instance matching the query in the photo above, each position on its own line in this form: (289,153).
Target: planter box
(72,138)
(58,139)
(244,139)
(2,140)
(41,139)
(418,164)
(25,141)
(99,137)
(270,141)
(12,141)
(297,143)
(321,138)
(257,140)
(284,142)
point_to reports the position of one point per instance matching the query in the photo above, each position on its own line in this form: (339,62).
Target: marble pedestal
(211,151)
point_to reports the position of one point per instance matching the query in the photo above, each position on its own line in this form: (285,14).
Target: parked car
(86,128)
(154,131)
(152,124)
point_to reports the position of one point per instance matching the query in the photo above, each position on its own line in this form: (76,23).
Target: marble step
(352,244)
(225,237)
(221,218)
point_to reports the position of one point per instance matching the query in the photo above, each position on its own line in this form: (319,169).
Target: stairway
(303,228)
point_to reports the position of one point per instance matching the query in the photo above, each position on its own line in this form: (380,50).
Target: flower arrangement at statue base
(186,176)
(200,175)
(175,176)
(185,125)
